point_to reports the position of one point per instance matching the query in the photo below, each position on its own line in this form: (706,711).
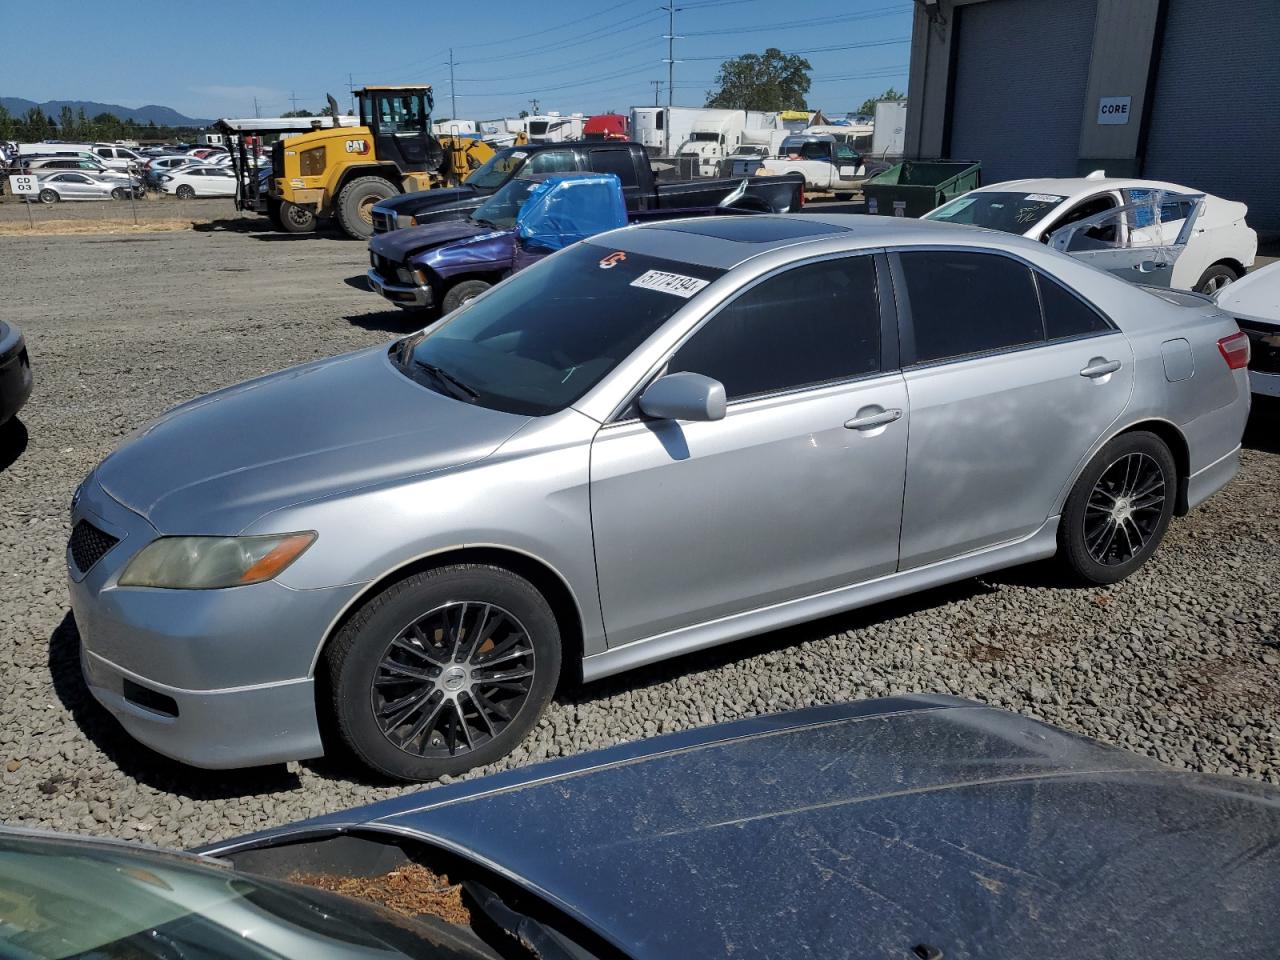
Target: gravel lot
(1181,662)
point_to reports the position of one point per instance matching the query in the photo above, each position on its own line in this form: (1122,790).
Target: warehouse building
(1181,90)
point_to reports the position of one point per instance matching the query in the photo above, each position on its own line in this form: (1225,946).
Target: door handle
(1098,367)
(1150,266)
(873,420)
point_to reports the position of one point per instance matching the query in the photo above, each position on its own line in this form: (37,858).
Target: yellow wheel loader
(342,171)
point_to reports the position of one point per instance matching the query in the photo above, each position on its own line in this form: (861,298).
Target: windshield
(705,137)
(998,210)
(538,127)
(537,342)
(501,209)
(497,169)
(65,898)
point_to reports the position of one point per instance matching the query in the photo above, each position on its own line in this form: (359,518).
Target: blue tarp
(571,207)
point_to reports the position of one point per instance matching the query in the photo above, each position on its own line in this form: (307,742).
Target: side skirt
(1036,546)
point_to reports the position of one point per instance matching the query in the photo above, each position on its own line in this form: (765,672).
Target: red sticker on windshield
(612,260)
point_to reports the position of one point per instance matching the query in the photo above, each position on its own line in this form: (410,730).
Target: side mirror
(684,396)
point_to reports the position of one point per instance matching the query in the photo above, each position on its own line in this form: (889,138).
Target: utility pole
(293,100)
(453,90)
(657,92)
(671,39)
(351,92)
(255,107)
(534,104)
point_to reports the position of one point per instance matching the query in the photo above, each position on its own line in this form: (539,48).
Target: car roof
(724,242)
(1073,187)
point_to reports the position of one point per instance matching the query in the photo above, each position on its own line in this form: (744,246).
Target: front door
(1012,380)
(796,491)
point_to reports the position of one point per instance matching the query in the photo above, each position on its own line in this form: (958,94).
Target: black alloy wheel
(1124,509)
(453,679)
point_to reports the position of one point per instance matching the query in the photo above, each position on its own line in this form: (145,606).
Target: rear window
(539,341)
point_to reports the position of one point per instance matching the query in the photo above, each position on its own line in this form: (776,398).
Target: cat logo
(357,146)
(612,260)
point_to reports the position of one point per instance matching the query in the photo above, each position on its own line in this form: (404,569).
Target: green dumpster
(914,187)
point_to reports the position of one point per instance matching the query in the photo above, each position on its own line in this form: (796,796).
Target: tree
(772,80)
(869,106)
(523,114)
(67,124)
(8,126)
(299,113)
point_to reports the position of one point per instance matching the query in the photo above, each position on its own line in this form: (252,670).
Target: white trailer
(890,136)
(663,130)
(554,128)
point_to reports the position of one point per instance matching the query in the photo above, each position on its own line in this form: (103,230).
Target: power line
(838,46)
(873,14)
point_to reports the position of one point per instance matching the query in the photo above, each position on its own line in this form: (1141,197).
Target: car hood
(399,245)
(425,199)
(217,463)
(1256,296)
(861,829)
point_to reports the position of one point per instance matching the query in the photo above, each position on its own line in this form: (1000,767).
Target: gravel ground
(1181,662)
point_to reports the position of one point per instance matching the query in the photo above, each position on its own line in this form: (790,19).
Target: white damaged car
(1146,231)
(1255,303)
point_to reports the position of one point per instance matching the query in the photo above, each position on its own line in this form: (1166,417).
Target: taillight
(1235,350)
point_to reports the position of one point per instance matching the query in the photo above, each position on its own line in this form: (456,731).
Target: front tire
(1215,278)
(185,192)
(462,293)
(296,219)
(354,208)
(444,671)
(1119,509)
(118,193)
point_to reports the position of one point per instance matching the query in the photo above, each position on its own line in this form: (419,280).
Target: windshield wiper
(543,941)
(484,223)
(448,379)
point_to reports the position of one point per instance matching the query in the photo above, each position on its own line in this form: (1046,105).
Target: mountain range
(163,116)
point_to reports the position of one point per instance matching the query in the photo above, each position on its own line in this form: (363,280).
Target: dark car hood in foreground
(216,464)
(399,245)
(865,830)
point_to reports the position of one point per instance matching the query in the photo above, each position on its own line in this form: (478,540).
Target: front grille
(89,545)
(383,222)
(387,269)
(1264,347)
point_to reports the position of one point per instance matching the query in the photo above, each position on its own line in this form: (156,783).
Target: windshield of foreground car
(543,338)
(1008,211)
(497,168)
(501,209)
(68,897)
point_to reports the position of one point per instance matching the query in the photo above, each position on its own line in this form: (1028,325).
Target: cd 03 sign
(23,183)
(1114,109)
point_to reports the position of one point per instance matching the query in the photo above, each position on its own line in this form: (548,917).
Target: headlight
(206,563)
(165,177)
(406,220)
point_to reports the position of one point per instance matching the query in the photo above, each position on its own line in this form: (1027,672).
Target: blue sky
(588,55)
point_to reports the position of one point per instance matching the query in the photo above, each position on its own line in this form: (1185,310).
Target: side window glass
(1087,209)
(812,324)
(552,161)
(616,162)
(103,152)
(1065,314)
(964,303)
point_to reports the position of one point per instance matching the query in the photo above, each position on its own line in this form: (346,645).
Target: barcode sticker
(672,283)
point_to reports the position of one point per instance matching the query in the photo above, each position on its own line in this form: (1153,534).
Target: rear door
(796,491)
(1007,397)
(620,162)
(1133,241)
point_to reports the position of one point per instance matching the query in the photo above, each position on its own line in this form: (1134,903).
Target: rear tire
(185,192)
(462,293)
(296,219)
(273,213)
(1119,509)
(413,698)
(353,209)
(49,196)
(1215,278)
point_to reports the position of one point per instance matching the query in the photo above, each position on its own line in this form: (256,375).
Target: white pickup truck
(829,165)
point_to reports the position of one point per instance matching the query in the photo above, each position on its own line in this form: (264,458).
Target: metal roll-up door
(1215,117)
(1021,68)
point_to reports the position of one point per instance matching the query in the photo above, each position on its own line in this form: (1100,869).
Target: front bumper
(401,294)
(16,380)
(213,678)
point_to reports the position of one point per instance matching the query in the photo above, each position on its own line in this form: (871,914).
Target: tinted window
(539,341)
(617,162)
(964,303)
(1065,314)
(812,324)
(1090,208)
(552,161)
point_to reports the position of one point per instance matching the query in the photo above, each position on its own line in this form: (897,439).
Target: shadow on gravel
(359,281)
(390,321)
(1262,432)
(259,228)
(146,766)
(13,443)
(779,641)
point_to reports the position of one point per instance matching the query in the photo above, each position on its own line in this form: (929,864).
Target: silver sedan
(661,439)
(74,185)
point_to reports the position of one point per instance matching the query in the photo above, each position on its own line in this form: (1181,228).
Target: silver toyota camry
(665,438)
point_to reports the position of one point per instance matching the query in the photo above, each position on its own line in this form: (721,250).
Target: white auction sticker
(1043,198)
(672,283)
